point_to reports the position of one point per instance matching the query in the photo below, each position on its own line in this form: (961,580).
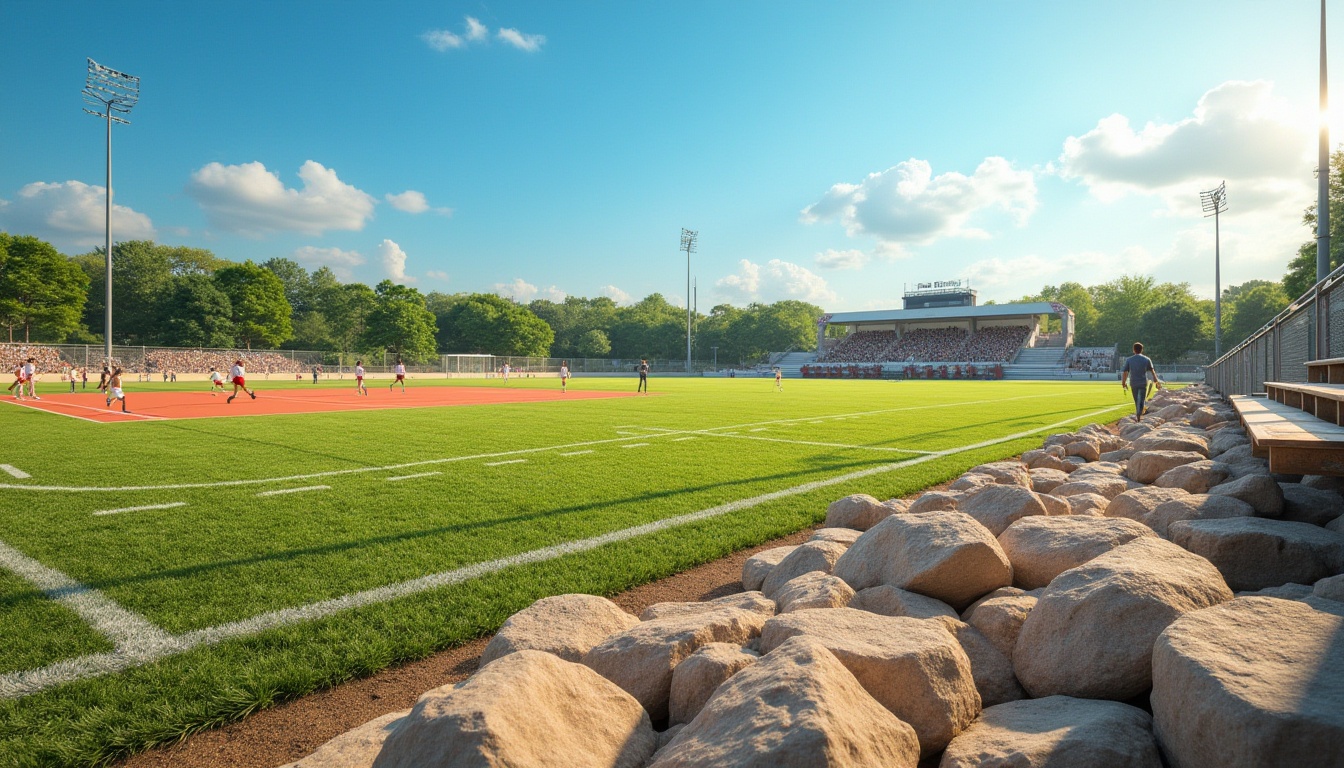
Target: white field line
(126,629)
(19,684)
(62,404)
(279,491)
(663,432)
(680,439)
(576,453)
(410,477)
(759,429)
(57,413)
(147,507)
(502,463)
(634,445)
(15,471)
(813,442)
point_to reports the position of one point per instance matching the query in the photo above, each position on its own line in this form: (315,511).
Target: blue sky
(826,151)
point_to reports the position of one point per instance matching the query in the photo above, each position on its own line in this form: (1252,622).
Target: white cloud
(476,30)
(437,274)
(393,260)
(1026,274)
(342,263)
(519,290)
(833,259)
(774,281)
(71,214)
(1239,131)
(907,205)
(615,294)
(250,200)
(411,201)
(521,41)
(442,39)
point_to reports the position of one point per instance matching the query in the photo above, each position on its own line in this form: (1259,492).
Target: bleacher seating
(995,344)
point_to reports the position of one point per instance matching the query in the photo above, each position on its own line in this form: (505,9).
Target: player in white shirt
(238,375)
(28,372)
(504,371)
(359,379)
(564,374)
(400,370)
(114,391)
(216,382)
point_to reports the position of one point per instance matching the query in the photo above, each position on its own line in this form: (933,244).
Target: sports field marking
(759,429)
(106,410)
(19,684)
(634,445)
(665,432)
(147,507)
(280,491)
(410,477)
(680,439)
(15,471)
(620,432)
(576,453)
(816,443)
(502,463)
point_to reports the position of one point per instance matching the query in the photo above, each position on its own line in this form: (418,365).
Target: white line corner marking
(15,471)
(145,508)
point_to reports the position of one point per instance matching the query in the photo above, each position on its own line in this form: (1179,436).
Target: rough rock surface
(1171,440)
(747,601)
(354,748)
(813,590)
(1055,505)
(1253,682)
(1044,459)
(809,556)
(565,625)
(1046,480)
(1041,548)
(858,511)
(1304,504)
(935,501)
(1260,491)
(1147,466)
(997,506)
(1254,553)
(913,667)
(841,535)
(1195,477)
(1330,588)
(971,481)
(642,658)
(1140,502)
(797,707)
(990,668)
(1101,483)
(944,555)
(1196,507)
(1087,504)
(1057,732)
(886,600)
(1283,592)
(759,565)
(695,679)
(999,617)
(1092,630)
(1004,472)
(526,708)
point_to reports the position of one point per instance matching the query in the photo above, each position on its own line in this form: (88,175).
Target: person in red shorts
(238,375)
(400,370)
(360,389)
(18,382)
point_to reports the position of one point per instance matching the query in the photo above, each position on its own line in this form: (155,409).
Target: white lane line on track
(145,508)
(19,684)
(502,463)
(128,630)
(634,445)
(576,453)
(410,477)
(15,471)
(279,491)
(662,432)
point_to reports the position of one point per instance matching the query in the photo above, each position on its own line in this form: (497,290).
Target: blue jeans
(1140,391)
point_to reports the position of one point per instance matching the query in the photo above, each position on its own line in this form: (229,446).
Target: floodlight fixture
(1214,202)
(688,243)
(117,93)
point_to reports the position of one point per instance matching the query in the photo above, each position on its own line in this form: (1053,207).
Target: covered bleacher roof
(944,313)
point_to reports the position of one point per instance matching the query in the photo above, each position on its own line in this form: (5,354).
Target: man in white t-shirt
(400,370)
(238,375)
(505,373)
(216,382)
(29,371)
(564,374)
(359,379)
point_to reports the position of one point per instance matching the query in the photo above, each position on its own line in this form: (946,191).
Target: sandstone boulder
(1147,466)
(565,625)
(747,601)
(1195,477)
(1047,480)
(1104,484)
(697,677)
(858,511)
(1196,507)
(1140,502)
(999,617)
(1055,505)
(809,556)
(1330,588)
(1057,732)
(526,708)
(1087,504)
(642,658)
(844,536)
(795,708)
(886,600)
(913,667)
(354,748)
(971,481)
(944,555)
(1254,682)
(1225,440)
(1208,416)
(759,565)
(1260,491)
(1044,459)
(1092,630)
(1283,592)
(1324,483)
(1304,504)
(991,670)
(1041,548)
(813,590)
(1254,553)
(1004,472)
(935,501)
(1118,455)
(996,506)
(1172,440)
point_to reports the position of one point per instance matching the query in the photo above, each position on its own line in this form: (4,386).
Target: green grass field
(174,619)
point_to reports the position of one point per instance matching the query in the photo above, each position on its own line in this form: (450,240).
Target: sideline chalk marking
(409,477)
(502,463)
(279,491)
(15,471)
(147,507)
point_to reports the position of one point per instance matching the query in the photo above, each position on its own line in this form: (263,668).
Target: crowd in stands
(863,347)
(931,345)
(996,343)
(1093,359)
(45,359)
(201,361)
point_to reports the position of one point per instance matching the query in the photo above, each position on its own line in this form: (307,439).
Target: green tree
(1249,306)
(1170,330)
(1301,275)
(346,311)
(400,322)
(594,343)
(142,278)
(261,313)
(40,289)
(482,323)
(198,314)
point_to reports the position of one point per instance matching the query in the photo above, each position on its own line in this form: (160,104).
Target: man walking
(643,376)
(1135,372)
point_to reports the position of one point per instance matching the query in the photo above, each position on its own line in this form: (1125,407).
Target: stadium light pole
(116,92)
(1214,203)
(1323,172)
(688,241)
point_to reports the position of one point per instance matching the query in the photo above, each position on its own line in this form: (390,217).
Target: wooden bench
(1324,401)
(1329,371)
(1295,441)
